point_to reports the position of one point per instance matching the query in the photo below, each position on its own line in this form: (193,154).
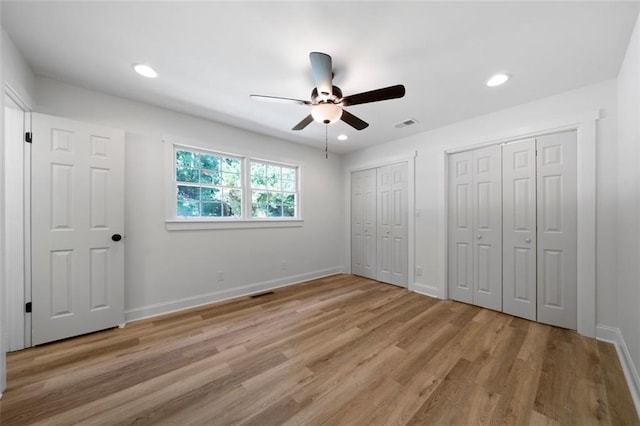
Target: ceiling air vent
(405,123)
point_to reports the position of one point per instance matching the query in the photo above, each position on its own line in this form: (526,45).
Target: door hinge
(27,307)
(28,137)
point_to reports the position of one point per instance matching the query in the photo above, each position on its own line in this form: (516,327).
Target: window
(212,187)
(208,185)
(273,190)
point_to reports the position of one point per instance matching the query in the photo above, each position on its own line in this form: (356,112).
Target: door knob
(527,240)
(479,236)
(116,237)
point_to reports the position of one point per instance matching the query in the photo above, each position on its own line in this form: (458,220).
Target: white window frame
(174,222)
(250,189)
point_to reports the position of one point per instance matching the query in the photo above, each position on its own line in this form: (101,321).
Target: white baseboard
(614,335)
(170,306)
(425,289)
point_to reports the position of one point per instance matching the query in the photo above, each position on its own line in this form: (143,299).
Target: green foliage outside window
(273,190)
(208,185)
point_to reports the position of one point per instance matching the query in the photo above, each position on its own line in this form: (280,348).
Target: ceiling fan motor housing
(335,98)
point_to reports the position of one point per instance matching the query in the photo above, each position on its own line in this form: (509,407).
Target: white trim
(614,335)
(181,225)
(410,159)
(426,290)
(585,126)
(176,305)
(16,218)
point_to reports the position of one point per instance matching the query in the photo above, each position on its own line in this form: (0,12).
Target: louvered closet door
(519,228)
(487,224)
(363,223)
(557,229)
(460,218)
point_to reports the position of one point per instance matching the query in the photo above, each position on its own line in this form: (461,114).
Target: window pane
(212,209)
(184,174)
(209,162)
(206,176)
(258,175)
(186,159)
(230,179)
(188,208)
(289,205)
(231,165)
(234,199)
(288,185)
(274,174)
(288,174)
(259,203)
(192,192)
(275,204)
(210,194)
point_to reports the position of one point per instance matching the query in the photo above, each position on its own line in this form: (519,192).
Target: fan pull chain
(326,141)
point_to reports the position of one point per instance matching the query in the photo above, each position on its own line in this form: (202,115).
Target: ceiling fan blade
(384,94)
(322,72)
(353,121)
(279,99)
(304,123)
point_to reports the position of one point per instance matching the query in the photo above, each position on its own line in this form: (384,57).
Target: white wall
(17,73)
(520,120)
(3,325)
(628,220)
(163,266)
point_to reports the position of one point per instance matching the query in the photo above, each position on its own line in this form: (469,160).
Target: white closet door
(392,224)
(487,220)
(519,229)
(557,230)
(363,223)
(460,218)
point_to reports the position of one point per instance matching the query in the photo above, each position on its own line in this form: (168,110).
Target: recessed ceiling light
(145,70)
(497,80)
(343,137)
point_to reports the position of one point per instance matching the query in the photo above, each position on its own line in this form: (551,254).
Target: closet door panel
(363,223)
(557,229)
(392,224)
(460,219)
(487,224)
(519,228)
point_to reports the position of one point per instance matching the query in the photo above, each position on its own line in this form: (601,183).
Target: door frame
(408,158)
(586,134)
(18,292)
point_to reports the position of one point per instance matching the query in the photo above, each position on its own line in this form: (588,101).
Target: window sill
(192,225)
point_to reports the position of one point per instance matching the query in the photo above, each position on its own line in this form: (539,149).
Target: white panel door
(460,219)
(363,223)
(392,217)
(77,206)
(519,229)
(557,229)
(487,224)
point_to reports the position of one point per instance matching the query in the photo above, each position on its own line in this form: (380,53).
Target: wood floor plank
(338,350)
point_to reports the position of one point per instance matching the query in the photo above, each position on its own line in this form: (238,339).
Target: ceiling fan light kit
(327,103)
(326,113)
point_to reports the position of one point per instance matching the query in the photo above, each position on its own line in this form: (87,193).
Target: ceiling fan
(327,103)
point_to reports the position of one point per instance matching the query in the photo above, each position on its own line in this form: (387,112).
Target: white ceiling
(212,55)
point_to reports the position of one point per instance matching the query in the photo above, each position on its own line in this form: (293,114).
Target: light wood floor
(341,350)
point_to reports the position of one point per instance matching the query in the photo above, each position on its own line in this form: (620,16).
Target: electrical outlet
(418,271)
(220,275)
